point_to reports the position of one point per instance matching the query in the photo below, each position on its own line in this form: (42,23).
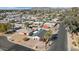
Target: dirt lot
(33,44)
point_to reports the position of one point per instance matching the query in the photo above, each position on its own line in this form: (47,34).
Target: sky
(41,3)
(27,4)
(15,8)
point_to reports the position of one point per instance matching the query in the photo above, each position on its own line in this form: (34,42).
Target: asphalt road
(5,45)
(60,44)
(19,48)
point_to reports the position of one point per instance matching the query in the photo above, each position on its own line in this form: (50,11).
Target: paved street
(5,45)
(60,44)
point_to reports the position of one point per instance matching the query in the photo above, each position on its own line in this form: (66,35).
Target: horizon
(25,8)
(14,8)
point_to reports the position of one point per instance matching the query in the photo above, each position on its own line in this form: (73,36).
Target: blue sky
(10,8)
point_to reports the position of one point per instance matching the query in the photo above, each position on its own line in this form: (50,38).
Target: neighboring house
(3,21)
(46,26)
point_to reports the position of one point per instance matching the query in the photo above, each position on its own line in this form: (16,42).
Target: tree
(26,25)
(4,27)
(70,19)
(47,36)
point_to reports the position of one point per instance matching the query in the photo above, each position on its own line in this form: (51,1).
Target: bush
(26,39)
(4,27)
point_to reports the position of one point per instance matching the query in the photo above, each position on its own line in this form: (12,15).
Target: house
(3,21)
(46,26)
(39,34)
(55,20)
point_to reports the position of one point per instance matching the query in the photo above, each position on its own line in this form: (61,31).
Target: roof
(40,33)
(45,26)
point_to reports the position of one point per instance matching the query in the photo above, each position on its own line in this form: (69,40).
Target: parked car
(54,37)
(17,28)
(10,31)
